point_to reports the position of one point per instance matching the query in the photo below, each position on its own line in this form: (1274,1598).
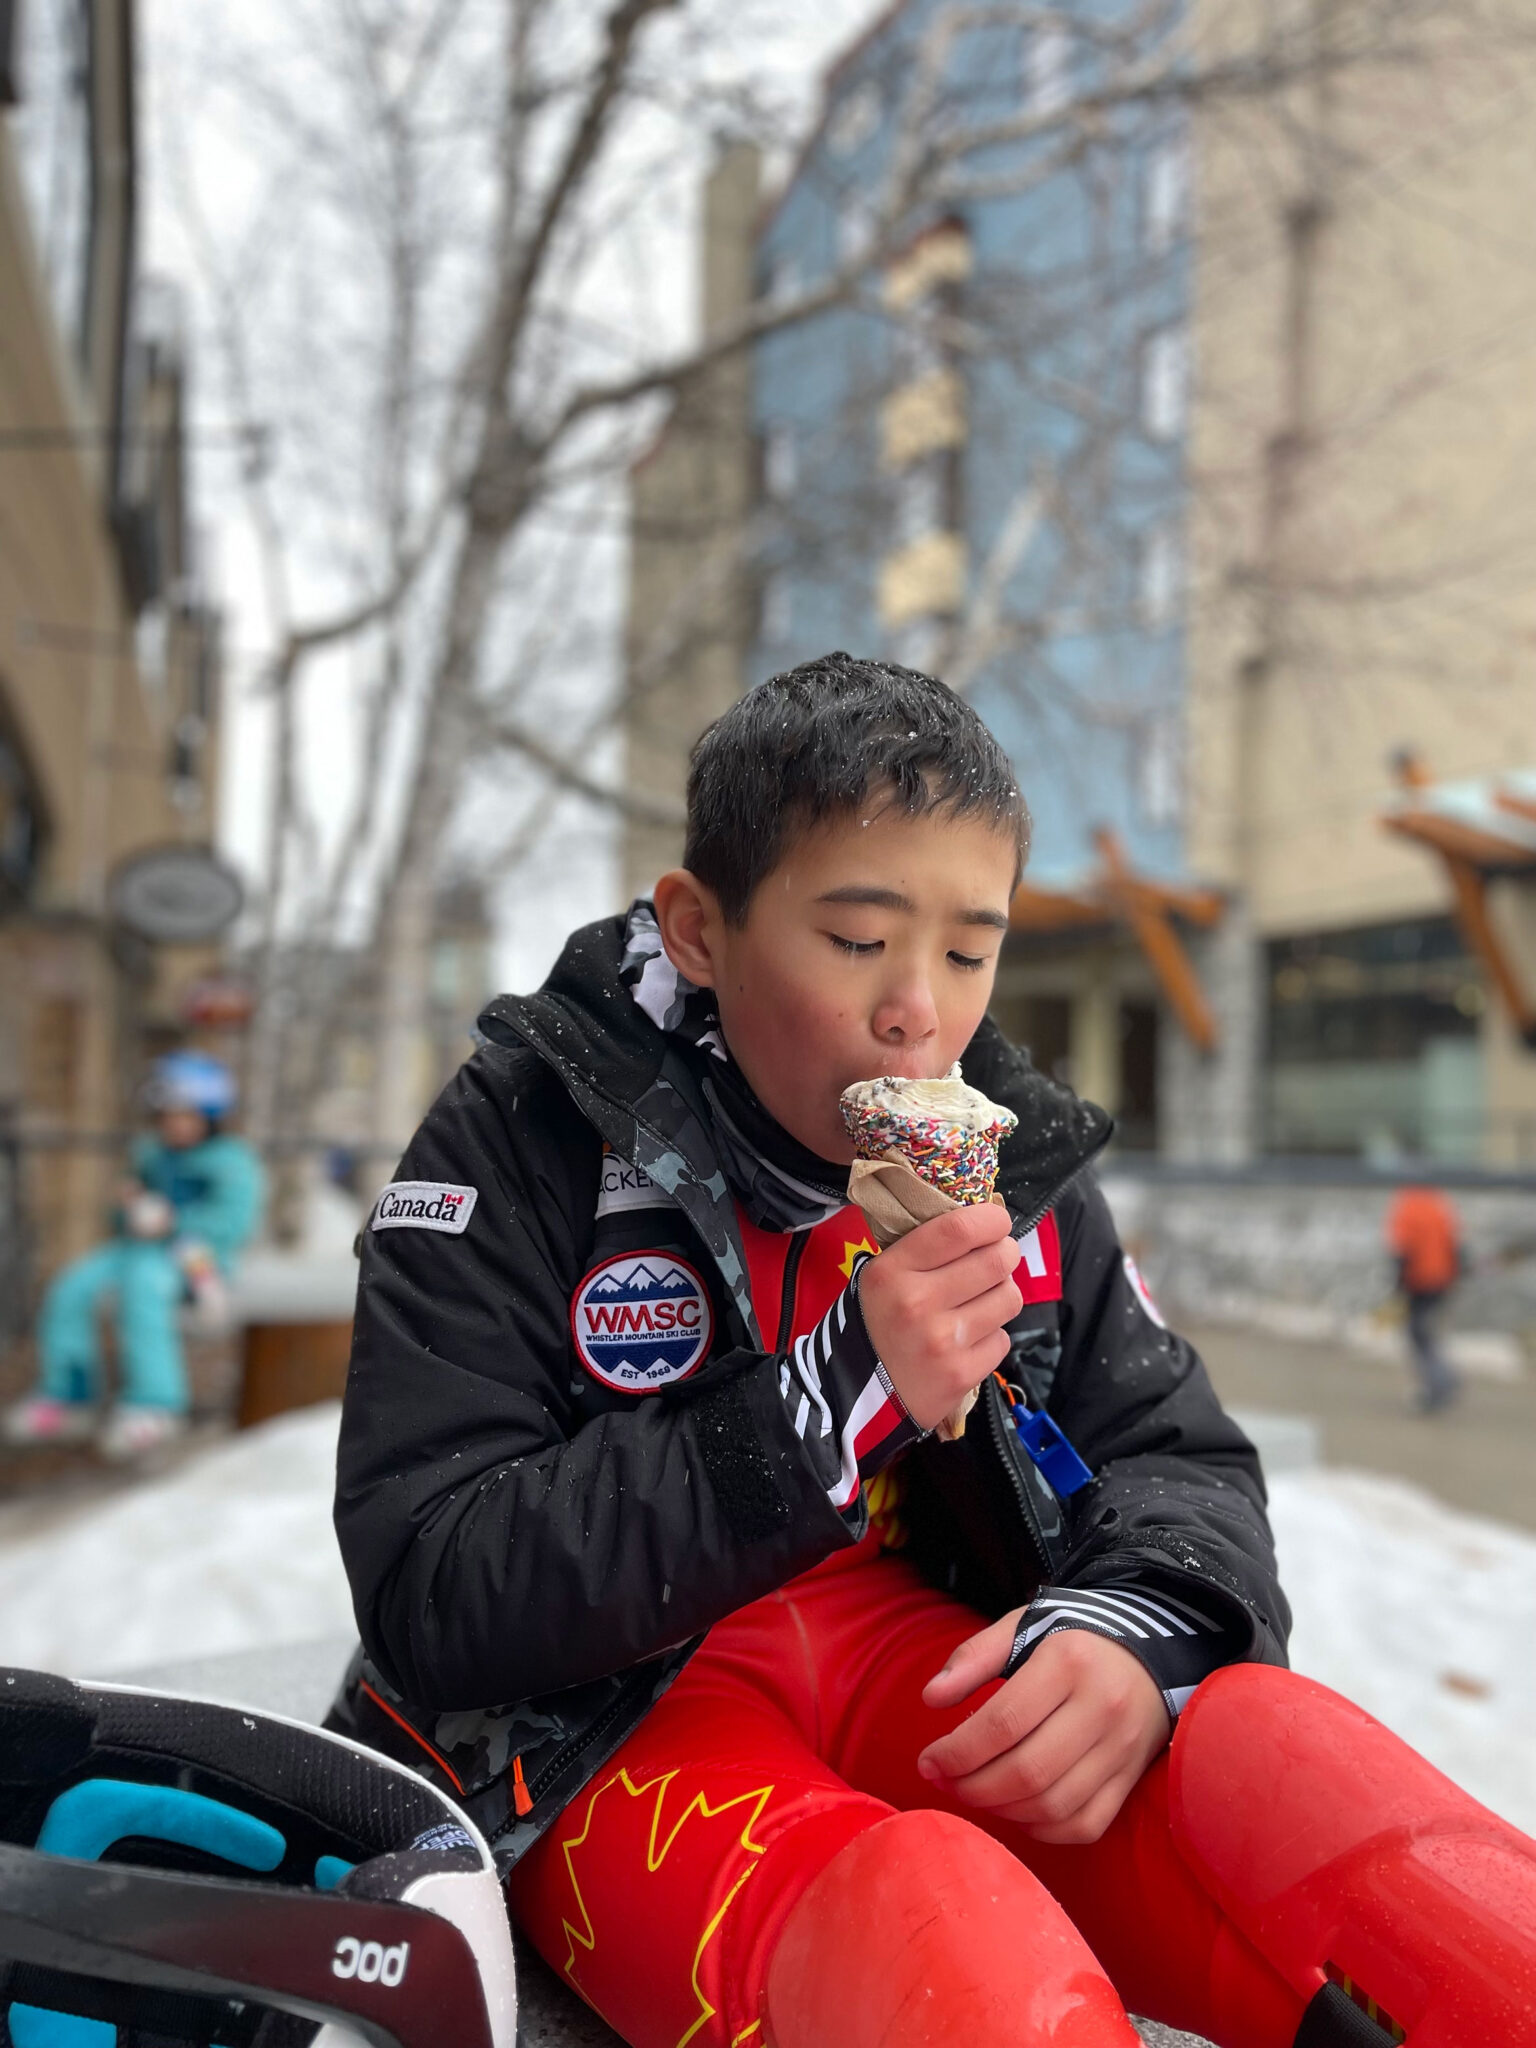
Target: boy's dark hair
(813,743)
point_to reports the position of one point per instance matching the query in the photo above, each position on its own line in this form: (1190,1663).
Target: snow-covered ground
(1425,1616)
(232,1551)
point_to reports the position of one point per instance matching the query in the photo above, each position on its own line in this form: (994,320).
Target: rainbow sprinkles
(948,1131)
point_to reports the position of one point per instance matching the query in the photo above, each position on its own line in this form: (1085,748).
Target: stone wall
(1313,1253)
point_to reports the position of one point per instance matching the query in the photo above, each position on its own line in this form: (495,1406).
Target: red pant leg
(664,1890)
(660,1892)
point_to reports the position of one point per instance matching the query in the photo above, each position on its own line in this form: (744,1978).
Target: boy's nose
(906,1016)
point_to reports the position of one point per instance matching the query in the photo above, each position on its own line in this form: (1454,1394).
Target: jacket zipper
(1028,1222)
(989,1395)
(989,1400)
(791,1287)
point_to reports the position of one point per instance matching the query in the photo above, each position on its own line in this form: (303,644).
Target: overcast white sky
(573,878)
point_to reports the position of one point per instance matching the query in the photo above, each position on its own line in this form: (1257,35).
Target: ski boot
(1395,1905)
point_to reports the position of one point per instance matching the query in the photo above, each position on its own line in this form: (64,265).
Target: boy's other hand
(1060,1746)
(935,1304)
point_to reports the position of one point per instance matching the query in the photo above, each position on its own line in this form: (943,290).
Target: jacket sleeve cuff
(841,1401)
(1180,1640)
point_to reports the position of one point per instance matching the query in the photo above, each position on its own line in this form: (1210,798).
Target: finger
(1033,1768)
(944,1239)
(1000,1724)
(971,1663)
(964,1370)
(1091,1821)
(1049,1787)
(977,1273)
(988,1312)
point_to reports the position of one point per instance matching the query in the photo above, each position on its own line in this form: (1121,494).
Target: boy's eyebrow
(859,892)
(892,899)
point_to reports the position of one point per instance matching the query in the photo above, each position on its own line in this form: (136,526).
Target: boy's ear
(689,916)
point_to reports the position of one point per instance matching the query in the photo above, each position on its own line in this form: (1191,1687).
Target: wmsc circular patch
(641,1321)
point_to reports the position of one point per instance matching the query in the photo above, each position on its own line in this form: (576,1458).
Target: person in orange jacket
(1424,1234)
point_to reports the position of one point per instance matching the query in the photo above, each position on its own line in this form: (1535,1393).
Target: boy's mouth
(898,1070)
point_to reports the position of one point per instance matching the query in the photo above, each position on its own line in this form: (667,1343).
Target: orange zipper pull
(522,1798)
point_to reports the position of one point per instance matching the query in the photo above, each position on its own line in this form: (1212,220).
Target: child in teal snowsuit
(194,1199)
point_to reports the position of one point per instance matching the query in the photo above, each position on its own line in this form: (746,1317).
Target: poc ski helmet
(192,1080)
(192,1875)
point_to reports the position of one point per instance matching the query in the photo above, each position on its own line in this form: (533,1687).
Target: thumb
(979,1658)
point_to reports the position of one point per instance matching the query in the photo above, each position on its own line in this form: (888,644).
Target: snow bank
(1425,1616)
(231,1552)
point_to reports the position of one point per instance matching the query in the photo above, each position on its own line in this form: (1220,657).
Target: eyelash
(862,948)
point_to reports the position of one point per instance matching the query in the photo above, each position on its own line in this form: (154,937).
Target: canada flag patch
(641,1321)
(425,1205)
(1038,1273)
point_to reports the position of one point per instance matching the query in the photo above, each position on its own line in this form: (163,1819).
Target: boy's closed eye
(864,948)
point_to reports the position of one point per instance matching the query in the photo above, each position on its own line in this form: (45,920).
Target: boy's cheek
(792,1047)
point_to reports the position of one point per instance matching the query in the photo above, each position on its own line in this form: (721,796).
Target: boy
(191,1202)
(789,1721)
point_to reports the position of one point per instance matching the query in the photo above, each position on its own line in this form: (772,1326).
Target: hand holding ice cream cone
(926,1148)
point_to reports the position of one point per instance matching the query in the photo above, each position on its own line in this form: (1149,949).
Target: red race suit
(760,1860)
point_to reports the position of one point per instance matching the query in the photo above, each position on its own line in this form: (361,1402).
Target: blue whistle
(1050,1450)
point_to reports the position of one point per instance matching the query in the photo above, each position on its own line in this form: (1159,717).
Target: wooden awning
(1117,898)
(1481,830)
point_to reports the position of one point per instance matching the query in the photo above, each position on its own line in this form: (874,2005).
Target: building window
(1159,770)
(10,79)
(778,607)
(919,501)
(916,645)
(781,460)
(1165,195)
(1373,1042)
(1164,383)
(855,229)
(1048,68)
(51,133)
(917,350)
(1160,574)
(152,646)
(854,119)
(22,829)
(784,278)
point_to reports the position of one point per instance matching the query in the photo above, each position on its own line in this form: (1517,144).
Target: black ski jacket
(533,1557)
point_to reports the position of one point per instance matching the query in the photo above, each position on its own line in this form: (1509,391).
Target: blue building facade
(978,465)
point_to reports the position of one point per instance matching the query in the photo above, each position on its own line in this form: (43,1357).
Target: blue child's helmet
(180,1872)
(192,1080)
